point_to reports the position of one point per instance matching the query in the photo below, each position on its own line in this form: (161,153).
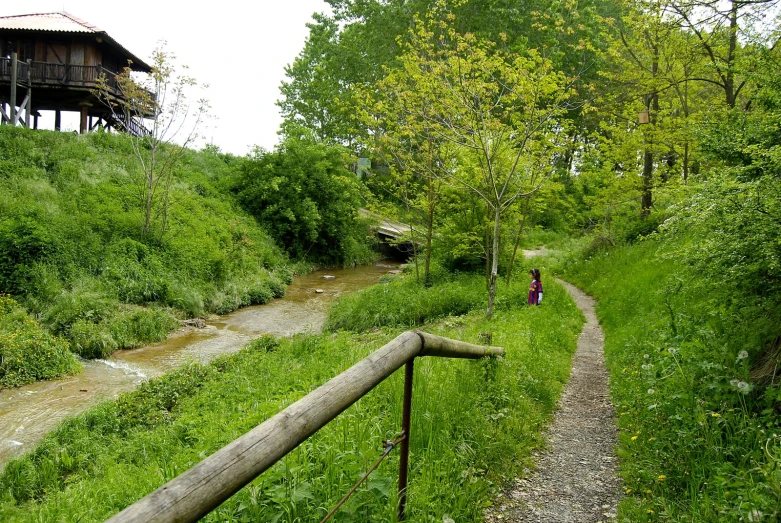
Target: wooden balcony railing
(47,73)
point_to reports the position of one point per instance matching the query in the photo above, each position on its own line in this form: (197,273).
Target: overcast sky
(239,48)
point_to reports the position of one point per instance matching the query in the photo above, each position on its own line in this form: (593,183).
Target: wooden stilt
(83,123)
(57,120)
(29,94)
(14,79)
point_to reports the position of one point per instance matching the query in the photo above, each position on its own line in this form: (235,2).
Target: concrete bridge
(396,240)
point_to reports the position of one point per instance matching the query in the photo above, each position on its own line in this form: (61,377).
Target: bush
(307,200)
(27,352)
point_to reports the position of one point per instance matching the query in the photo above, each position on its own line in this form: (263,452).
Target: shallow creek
(28,413)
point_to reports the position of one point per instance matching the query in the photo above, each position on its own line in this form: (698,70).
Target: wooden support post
(14,79)
(36,114)
(57,120)
(83,122)
(29,93)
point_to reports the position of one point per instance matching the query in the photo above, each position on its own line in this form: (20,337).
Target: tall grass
(405,302)
(700,436)
(474,423)
(73,254)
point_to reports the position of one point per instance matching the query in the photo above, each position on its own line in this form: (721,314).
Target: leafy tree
(728,34)
(355,46)
(161,118)
(306,198)
(500,111)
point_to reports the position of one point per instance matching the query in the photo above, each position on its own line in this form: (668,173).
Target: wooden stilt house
(51,62)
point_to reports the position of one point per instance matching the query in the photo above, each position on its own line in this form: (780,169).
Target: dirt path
(576,478)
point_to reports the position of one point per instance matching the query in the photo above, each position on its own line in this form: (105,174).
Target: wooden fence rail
(199,490)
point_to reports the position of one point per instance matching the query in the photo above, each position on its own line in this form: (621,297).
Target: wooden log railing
(199,490)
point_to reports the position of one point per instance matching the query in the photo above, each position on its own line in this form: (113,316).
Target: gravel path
(576,479)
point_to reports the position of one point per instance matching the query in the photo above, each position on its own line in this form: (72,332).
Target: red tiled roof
(64,23)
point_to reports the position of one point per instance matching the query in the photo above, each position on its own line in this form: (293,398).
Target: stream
(28,413)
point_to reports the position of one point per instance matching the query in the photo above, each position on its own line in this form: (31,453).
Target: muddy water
(28,413)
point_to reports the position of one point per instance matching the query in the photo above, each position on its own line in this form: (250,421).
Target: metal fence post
(409,371)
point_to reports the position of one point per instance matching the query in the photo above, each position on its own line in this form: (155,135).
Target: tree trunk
(487,249)
(521,225)
(494,265)
(729,76)
(646,199)
(429,233)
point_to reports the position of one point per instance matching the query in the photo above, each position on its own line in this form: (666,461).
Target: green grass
(700,438)
(72,251)
(404,302)
(474,423)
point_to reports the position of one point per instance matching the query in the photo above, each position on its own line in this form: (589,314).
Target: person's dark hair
(536,273)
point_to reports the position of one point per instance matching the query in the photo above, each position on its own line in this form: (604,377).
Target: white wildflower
(651,391)
(743,355)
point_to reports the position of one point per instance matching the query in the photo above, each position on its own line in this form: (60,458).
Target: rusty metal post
(409,371)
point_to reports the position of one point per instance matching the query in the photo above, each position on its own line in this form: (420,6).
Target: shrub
(135,326)
(27,352)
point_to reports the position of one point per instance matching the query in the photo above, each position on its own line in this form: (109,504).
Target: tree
(307,200)
(727,34)
(402,131)
(500,111)
(161,119)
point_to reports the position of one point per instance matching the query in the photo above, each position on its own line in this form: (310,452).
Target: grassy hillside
(474,423)
(73,254)
(693,361)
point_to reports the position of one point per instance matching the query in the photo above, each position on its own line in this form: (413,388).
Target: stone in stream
(328,277)
(319,291)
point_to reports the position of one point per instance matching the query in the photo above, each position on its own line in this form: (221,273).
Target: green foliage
(71,246)
(308,201)
(473,423)
(688,353)
(27,352)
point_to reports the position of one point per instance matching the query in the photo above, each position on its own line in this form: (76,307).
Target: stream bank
(28,413)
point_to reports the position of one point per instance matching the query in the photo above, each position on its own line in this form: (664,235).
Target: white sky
(239,48)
